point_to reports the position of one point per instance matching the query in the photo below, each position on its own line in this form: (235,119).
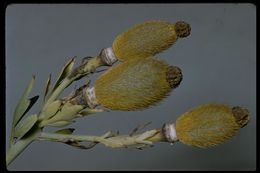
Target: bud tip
(241,115)
(182,29)
(174,76)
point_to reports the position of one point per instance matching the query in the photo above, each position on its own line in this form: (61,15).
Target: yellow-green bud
(147,39)
(136,84)
(67,112)
(50,110)
(210,124)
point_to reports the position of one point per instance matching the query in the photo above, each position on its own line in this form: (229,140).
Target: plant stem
(20,145)
(63,137)
(118,141)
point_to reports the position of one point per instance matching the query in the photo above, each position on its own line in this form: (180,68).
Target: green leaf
(51,109)
(47,87)
(32,101)
(67,112)
(61,123)
(67,131)
(25,125)
(78,145)
(66,70)
(139,128)
(24,103)
(90,111)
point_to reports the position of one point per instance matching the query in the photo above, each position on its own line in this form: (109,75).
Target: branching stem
(20,145)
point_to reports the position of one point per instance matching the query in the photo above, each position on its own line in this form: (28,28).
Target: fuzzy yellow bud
(210,124)
(148,38)
(136,84)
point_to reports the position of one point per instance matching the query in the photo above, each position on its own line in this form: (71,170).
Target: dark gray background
(218,61)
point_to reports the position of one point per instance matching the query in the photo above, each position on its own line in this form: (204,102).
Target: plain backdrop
(218,61)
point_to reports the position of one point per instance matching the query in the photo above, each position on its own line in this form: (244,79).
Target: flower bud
(210,124)
(136,84)
(148,38)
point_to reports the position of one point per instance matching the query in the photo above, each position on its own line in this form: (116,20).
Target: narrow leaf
(61,123)
(24,103)
(66,70)
(67,131)
(90,111)
(51,109)
(78,145)
(68,112)
(32,101)
(47,87)
(25,125)
(139,128)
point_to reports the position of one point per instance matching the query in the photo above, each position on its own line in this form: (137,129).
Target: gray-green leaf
(67,131)
(51,109)
(60,123)
(67,113)
(25,125)
(23,104)
(47,87)
(66,70)
(90,111)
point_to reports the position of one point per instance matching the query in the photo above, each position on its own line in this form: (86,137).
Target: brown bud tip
(241,115)
(173,76)
(182,29)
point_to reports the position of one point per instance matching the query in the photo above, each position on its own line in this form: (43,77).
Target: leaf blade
(25,125)
(47,88)
(66,70)
(60,123)
(90,111)
(66,131)
(24,103)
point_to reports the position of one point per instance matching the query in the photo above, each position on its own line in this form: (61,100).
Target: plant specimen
(140,80)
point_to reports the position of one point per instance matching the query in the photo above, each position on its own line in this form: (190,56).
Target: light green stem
(114,141)
(63,137)
(18,147)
